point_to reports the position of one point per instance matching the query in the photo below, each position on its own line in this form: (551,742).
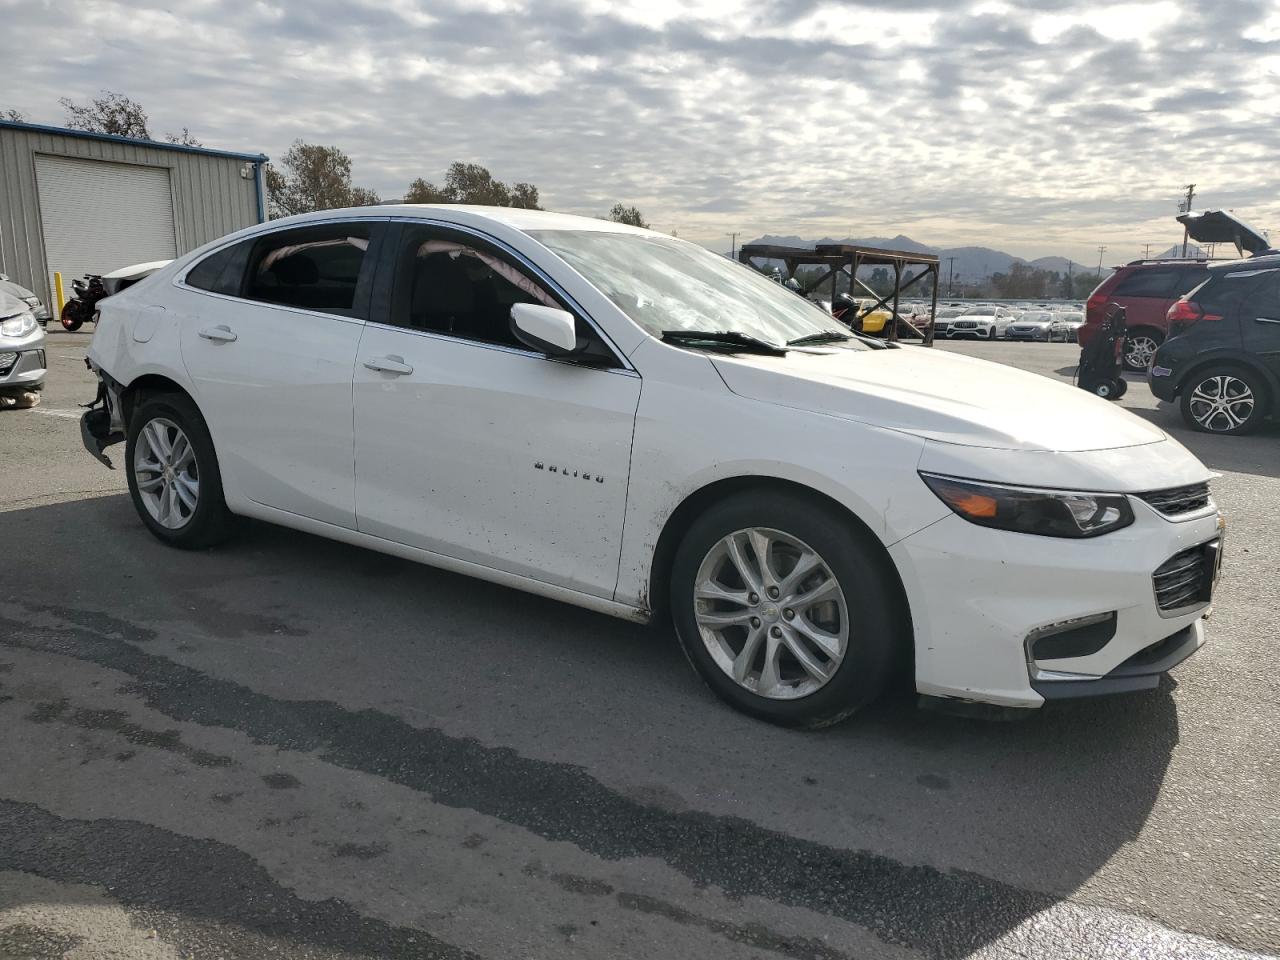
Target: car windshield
(665,284)
(978,312)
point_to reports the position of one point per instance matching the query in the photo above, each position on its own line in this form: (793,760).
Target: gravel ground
(288,747)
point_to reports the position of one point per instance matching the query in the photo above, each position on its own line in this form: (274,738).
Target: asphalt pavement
(288,747)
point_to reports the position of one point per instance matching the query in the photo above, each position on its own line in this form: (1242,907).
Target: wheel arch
(702,498)
(149,385)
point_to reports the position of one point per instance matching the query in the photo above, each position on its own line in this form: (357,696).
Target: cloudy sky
(1034,126)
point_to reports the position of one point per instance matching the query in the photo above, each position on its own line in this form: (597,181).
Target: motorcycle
(82,306)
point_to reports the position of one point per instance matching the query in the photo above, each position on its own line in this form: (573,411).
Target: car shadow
(936,833)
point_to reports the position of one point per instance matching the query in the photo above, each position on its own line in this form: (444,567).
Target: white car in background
(982,323)
(626,421)
(22,356)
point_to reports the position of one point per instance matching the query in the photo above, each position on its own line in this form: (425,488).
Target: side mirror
(547,329)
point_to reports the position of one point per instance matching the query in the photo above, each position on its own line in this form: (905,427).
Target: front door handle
(221,333)
(1266,320)
(389,365)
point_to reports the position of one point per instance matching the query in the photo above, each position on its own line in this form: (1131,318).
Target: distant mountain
(971,263)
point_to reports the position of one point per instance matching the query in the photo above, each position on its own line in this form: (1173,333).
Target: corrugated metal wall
(210,198)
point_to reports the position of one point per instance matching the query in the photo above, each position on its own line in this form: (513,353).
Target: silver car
(22,359)
(26,296)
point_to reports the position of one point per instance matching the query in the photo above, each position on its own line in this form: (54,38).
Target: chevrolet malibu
(625,421)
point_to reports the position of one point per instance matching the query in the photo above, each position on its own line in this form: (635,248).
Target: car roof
(1264,262)
(515,217)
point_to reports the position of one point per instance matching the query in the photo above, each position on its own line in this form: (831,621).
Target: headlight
(1048,513)
(18,326)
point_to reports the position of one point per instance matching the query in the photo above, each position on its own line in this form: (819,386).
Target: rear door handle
(221,333)
(1266,320)
(389,365)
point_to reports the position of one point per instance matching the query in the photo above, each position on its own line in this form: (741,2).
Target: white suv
(628,422)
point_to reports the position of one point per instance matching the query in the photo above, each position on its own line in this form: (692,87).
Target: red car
(1148,288)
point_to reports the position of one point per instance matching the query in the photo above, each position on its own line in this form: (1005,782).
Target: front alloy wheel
(789,610)
(771,613)
(1222,402)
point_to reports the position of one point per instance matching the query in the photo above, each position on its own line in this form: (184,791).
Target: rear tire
(829,642)
(1226,400)
(173,473)
(1140,347)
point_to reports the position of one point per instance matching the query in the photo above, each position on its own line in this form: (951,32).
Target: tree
(472,183)
(116,114)
(17,116)
(184,138)
(628,215)
(112,113)
(313,177)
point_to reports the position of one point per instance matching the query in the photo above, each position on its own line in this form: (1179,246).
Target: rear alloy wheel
(1229,401)
(173,473)
(1139,349)
(783,611)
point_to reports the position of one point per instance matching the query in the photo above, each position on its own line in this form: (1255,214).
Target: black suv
(1222,358)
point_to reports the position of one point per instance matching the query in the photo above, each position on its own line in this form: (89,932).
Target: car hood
(939,396)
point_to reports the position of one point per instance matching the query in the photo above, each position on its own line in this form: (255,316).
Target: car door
(470,444)
(269,344)
(1260,320)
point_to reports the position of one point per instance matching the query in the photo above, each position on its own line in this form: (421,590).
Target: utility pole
(1101,250)
(1146,251)
(951,273)
(733,246)
(1186,231)
(1071,288)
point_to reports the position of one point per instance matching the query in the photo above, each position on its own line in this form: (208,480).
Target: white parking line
(65,414)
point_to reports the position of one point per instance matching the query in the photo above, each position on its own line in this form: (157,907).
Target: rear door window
(1157,283)
(312,268)
(1188,280)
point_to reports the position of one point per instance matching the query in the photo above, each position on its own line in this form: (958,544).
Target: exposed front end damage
(102,424)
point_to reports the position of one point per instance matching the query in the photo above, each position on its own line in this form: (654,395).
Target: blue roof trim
(112,138)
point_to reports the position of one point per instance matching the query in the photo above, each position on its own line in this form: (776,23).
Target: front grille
(7,360)
(1179,500)
(1186,578)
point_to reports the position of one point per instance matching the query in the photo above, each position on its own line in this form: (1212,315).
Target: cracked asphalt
(293,748)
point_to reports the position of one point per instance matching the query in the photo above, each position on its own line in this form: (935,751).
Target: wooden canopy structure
(848,258)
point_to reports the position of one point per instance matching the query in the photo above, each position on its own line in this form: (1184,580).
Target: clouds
(1040,127)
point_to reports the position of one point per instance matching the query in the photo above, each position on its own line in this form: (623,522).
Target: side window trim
(381,305)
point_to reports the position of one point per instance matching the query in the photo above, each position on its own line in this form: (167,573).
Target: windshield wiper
(826,336)
(727,338)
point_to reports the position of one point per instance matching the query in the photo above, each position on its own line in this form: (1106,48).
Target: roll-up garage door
(99,216)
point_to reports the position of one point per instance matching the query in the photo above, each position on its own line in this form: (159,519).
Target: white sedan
(625,421)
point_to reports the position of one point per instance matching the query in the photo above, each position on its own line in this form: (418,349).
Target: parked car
(1067,326)
(1221,362)
(1148,288)
(16,290)
(982,323)
(943,318)
(461,386)
(1032,325)
(22,356)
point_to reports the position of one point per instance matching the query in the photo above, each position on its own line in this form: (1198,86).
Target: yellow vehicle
(874,322)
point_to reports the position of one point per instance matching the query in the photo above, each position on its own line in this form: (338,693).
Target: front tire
(71,319)
(786,609)
(173,473)
(1225,400)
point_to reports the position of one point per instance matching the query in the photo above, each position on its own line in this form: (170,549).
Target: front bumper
(979,596)
(22,362)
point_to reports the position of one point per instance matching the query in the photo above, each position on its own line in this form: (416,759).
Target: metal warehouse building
(78,203)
